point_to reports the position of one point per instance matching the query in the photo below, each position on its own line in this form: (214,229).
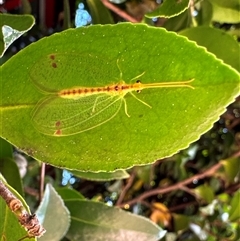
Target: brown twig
(126,188)
(176,186)
(119,12)
(41,189)
(28,221)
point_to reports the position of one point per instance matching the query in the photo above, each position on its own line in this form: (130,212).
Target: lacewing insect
(74,110)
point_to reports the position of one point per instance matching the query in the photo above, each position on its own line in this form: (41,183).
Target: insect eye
(138,81)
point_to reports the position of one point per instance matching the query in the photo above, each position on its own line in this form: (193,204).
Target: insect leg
(119,69)
(140,100)
(125,108)
(138,76)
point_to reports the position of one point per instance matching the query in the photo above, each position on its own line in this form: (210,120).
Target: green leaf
(102,176)
(8,167)
(205,13)
(144,173)
(169,8)
(225,15)
(218,42)
(231,167)
(99,13)
(13,26)
(179,22)
(6,149)
(181,222)
(233,4)
(234,214)
(205,192)
(10,171)
(52,208)
(96,221)
(10,228)
(67,193)
(67,15)
(96,57)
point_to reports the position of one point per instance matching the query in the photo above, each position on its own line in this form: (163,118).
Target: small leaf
(102,176)
(10,171)
(144,174)
(178,22)
(205,192)
(67,193)
(53,208)
(100,14)
(6,150)
(12,27)
(169,8)
(234,213)
(231,167)
(181,222)
(205,13)
(96,221)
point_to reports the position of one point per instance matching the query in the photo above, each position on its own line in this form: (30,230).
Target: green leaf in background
(6,150)
(67,193)
(99,13)
(234,214)
(9,170)
(181,222)
(67,15)
(205,13)
(52,208)
(177,117)
(96,221)
(179,22)
(12,27)
(231,167)
(218,42)
(205,192)
(118,1)
(225,15)
(169,8)
(101,176)
(10,228)
(233,4)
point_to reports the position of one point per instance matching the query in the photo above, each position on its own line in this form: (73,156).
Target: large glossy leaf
(53,208)
(96,221)
(96,56)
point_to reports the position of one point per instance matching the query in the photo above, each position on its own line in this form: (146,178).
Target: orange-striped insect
(78,109)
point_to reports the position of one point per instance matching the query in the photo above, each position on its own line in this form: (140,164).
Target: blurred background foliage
(195,194)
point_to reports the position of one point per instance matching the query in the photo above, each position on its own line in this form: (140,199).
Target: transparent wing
(62,117)
(57,71)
